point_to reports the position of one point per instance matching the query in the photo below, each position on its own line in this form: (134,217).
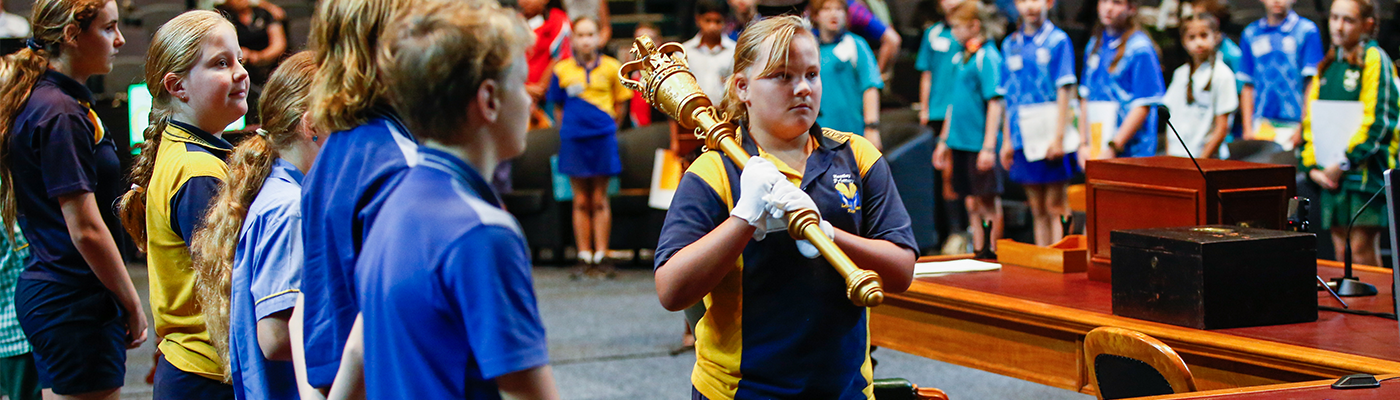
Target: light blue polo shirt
(1276,59)
(342,195)
(266,280)
(1136,81)
(848,70)
(1035,69)
(936,56)
(447,296)
(975,82)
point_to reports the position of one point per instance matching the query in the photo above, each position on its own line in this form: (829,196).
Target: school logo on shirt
(1351,79)
(850,193)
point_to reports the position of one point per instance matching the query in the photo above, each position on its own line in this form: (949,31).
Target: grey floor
(610,339)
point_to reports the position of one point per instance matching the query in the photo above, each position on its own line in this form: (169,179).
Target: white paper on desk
(1037,130)
(1103,125)
(952,266)
(1333,125)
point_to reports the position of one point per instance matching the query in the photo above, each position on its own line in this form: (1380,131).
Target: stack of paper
(937,268)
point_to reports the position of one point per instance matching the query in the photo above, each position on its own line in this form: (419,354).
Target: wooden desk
(1030,324)
(1293,391)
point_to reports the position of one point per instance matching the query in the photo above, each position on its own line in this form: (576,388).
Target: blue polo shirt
(448,301)
(848,70)
(779,325)
(59,147)
(975,81)
(1035,69)
(1135,81)
(1275,60)
(936,57)
(342,194)
(266,281)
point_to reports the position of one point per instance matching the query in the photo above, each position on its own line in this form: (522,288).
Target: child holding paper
(1122,81)
(1038,82)
(1280,54)
(1349,129)
(1202,95)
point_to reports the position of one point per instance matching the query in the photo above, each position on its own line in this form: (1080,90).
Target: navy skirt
(1044,171)
(590,156)
(78,335)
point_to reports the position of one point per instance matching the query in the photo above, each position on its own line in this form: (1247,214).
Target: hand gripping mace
(668,85)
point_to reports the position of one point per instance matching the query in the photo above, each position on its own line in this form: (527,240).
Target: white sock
(585,257)
(598,257)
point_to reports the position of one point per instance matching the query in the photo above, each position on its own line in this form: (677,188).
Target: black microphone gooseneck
(1348,285)
(1164,117)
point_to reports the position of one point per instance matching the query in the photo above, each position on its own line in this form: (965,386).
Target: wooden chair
(1125,363)
(902,389)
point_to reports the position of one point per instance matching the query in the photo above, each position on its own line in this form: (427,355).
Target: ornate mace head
(668,85)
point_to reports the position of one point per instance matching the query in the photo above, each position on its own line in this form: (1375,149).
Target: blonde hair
(21,70)
(213,247)
(969,11)
(779,30)
(437,55)
(174,50)
(345,38)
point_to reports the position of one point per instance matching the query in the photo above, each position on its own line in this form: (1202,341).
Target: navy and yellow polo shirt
(189,167)
(58,147)
(779,325)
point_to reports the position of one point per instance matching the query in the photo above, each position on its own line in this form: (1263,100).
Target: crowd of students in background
(337,250)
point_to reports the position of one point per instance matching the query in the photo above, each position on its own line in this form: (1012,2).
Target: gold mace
(668,85)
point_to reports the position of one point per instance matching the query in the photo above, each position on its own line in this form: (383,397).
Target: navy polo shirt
(779,325)
(447,295)
(340,198)
(58,147)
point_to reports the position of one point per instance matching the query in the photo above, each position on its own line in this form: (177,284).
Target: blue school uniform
(1035,68)
(59,147)
(779,325)
(936,57)
(1136,81)
(588,132)
(342,194)
(975,81)
(446,315)
(266,280)
(848,70)
(1275,60)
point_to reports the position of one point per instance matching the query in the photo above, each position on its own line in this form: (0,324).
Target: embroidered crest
(1351,80)
(850,193)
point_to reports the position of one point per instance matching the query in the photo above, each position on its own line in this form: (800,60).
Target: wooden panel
(1030,324)
(1261,207)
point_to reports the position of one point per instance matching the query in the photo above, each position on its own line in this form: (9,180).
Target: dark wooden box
(1158,192)
(1215,277)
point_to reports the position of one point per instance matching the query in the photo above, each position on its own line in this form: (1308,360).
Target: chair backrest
(1125,363)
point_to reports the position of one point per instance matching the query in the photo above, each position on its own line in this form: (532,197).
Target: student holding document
(1349,129)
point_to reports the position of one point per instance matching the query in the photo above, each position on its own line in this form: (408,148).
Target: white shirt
(13,26)
(711,65)
(1194,121)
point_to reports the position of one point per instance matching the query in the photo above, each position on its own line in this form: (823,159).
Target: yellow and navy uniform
(189,166)
(779,324)
(589,95)
(1370,150)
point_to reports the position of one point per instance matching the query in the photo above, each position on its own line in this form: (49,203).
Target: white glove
(754,184)
(788,198)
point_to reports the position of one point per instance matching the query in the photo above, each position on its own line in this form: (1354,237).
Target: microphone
(1348,285)
(1164,117)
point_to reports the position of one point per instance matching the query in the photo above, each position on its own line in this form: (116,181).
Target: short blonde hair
(437,55)
(781,30)
(345,37)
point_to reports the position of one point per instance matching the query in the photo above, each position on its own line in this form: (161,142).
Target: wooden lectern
(1160,192)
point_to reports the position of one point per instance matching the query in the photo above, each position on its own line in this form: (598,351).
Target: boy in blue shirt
(1280,53)
(850,76)
(968,145)
(453,315)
